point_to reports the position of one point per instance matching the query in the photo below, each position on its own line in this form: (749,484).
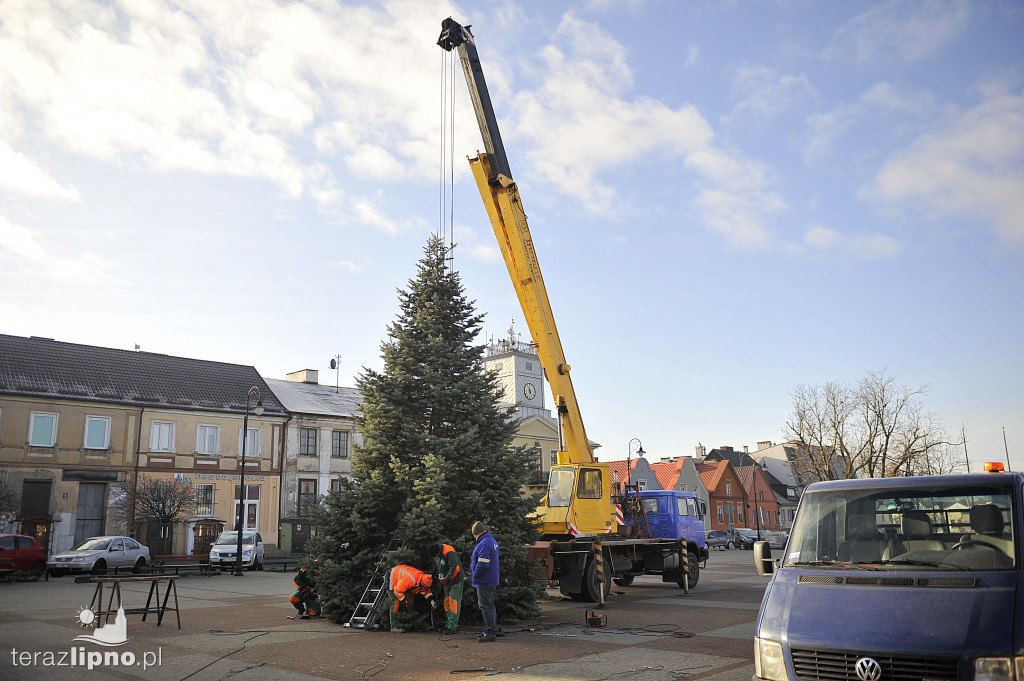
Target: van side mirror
(763,562)
(703,509)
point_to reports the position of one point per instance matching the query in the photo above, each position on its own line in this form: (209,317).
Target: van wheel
(624,580)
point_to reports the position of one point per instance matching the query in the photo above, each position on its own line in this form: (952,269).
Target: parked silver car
(100,555)
(224,551)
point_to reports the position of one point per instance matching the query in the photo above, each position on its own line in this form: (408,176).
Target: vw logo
(868,669)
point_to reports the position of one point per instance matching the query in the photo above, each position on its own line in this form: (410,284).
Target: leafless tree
(876,428)
(156,501)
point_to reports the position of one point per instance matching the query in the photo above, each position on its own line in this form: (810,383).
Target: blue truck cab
(897,579)
(672,515)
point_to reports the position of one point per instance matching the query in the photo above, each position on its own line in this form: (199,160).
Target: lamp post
(629,451)
(753,485)
(254,392)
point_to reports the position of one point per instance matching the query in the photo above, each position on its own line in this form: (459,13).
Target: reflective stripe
(483,560)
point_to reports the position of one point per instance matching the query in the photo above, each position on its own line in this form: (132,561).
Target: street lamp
(753,486)
(629,451)
(254,392)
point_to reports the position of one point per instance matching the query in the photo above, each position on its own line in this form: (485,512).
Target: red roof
(668,472)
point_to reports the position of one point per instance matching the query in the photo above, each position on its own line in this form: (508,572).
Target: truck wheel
(694,572)
(590,585)
(624,580)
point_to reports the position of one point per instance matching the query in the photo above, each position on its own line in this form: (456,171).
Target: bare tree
(876,428)
(156,501)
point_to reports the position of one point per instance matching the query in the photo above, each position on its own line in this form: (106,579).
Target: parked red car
(18,552)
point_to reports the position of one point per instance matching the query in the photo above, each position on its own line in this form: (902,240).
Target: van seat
(987,523)
(864,542)
(916,535)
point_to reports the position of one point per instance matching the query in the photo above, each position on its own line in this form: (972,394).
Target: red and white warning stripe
(572,529)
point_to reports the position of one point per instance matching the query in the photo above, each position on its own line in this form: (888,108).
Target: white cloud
(25,258)
(372,214)
(881,100)
(231,87)
(764,93)
(973,167)
(583,126)
(911,30)
(351,267)
(864,246)
(23,175)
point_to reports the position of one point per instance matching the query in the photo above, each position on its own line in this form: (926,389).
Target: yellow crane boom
(578,499)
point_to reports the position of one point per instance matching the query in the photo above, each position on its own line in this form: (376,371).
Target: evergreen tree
(436,457)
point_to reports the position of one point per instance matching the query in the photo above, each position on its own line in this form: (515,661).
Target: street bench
(162,564)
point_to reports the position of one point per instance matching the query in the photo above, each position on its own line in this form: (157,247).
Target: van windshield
(907,528)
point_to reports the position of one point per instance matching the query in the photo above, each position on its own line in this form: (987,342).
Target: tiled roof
(313,398)
(711,473)
(668,472)
(41,367)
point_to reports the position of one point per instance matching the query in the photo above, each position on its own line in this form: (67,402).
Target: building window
(42,429)
(335,484)
(207,439)
(252,492)
(554,457)
(252,443)
(730,511)
(161,436)
(204,499)
(307,497)
(97,432)
(641,485)
(721,518)
(728,489)
(339,444)
(307,441)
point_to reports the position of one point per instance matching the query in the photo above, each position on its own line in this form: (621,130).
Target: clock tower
(520,374)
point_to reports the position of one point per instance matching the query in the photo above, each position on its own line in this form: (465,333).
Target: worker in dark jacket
(452,580)
(305,598)
(404,581)
(483,571)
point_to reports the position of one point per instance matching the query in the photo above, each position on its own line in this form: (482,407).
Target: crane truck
(586,542)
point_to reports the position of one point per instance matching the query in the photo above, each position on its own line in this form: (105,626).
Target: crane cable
(446,182)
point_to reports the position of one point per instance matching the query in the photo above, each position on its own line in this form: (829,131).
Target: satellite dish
(334,364)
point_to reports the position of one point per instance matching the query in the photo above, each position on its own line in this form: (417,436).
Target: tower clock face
(529,391)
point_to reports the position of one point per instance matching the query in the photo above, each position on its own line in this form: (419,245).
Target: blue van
(897,579)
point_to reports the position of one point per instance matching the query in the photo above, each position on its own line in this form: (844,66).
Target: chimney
(726,448)
(746,449)
(701,452)
(304,376)
(764,444)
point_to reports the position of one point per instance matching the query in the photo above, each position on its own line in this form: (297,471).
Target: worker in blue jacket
(483,573)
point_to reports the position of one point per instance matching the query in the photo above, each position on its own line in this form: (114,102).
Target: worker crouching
(305,598)
(404,583)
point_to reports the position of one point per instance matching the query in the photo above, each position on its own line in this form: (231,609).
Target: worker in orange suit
(452,579)
(404,583)
(305,598)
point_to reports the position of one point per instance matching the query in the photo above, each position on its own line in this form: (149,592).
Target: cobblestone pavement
(236,628)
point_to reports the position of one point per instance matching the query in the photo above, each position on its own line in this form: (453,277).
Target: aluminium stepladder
(376,591)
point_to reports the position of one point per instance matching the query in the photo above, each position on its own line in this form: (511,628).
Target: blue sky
(727,198)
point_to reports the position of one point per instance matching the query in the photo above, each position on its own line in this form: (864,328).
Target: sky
(728,199)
